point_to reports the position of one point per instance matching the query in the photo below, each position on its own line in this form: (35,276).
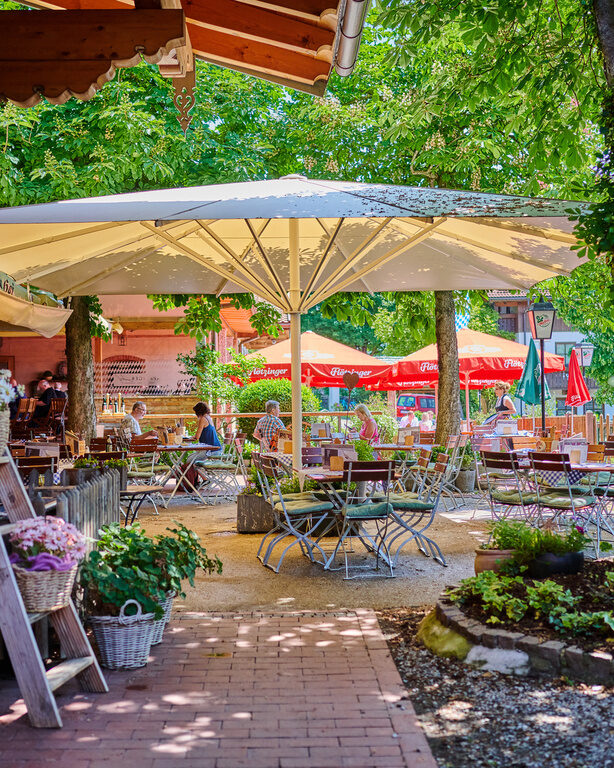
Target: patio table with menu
(180,467)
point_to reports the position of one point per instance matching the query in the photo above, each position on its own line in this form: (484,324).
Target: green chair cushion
(601,492)
(140,473)
(303,507)
(303,496)
(212,464)
(411,504)
(367,511)
(512,496)
(559,501)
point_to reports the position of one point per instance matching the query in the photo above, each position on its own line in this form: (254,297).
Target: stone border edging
(552,657)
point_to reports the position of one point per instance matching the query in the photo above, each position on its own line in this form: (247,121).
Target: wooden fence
(88,506)
(595,428)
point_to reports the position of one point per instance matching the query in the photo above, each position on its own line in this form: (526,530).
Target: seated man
(59,392)
(46,393)
(130,422)
(267,428)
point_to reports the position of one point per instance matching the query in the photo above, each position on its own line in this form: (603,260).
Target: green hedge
(252,397)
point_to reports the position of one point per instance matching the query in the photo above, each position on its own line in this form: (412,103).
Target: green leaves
(130,565)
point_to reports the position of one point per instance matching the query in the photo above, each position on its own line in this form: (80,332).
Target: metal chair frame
(299,525)
(410,524)
(352,527)
(502,472)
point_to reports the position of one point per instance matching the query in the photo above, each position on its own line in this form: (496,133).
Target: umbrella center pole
(295,344)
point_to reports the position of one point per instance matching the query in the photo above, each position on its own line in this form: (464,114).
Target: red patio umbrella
(577,391)
(323,362)
(483,360)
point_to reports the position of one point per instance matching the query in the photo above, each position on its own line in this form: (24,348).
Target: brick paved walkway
(312,690)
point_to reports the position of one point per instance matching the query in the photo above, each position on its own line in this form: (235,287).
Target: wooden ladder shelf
(35,683)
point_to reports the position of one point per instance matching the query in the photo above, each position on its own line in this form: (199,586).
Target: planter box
(548,564)
(78,476)
(254,514)
(465,482)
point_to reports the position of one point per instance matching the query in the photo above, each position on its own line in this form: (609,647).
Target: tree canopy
(501,98)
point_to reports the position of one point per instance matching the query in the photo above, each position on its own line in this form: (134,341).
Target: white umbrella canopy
(291,241)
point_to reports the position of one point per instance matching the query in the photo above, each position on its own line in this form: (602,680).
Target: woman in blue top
(205,429)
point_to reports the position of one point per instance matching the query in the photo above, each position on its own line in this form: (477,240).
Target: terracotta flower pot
(491,559)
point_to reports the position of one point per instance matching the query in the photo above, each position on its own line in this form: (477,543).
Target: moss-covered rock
(441,639)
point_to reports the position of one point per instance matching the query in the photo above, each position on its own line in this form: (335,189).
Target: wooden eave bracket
(73,53)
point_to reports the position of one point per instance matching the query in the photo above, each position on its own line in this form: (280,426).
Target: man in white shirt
(131,420)
(409,420)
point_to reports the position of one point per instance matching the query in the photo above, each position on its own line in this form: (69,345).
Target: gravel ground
(478,719)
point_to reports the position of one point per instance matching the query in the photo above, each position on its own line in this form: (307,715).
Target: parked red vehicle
(414,401)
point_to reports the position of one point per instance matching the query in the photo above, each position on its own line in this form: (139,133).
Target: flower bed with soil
(576,608)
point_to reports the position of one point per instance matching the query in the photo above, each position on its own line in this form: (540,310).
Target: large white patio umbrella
(291,241)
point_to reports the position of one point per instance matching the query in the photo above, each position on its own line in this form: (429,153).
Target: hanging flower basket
(160,624)
(124,641)
(45,556)
(45,590)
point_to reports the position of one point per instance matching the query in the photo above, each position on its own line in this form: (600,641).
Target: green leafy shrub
(128,564)
(469,458)
(363,450)
(252,397)
(528,542)
(510,598)
(114,463)
(436,450)
(84,463)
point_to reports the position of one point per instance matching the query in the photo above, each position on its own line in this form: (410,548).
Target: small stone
(499,660)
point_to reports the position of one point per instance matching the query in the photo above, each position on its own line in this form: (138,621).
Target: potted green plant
(556,553)
(121,465)
(540,551)
(132,569)
(82,469)
(465,480)
(506,537)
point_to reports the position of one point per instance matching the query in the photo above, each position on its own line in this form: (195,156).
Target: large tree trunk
(604,18)
(448,396)
(81,407)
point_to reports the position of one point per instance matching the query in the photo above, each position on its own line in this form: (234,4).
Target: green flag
(529,387)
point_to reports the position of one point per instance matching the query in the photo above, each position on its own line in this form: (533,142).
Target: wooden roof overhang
(291,42)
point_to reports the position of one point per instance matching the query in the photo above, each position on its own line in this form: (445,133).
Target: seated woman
(427,424)
(205,428)
(368,430)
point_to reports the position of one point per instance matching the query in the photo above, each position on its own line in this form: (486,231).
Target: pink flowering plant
(46,544)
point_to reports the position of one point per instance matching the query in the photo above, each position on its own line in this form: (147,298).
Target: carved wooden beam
(59,55)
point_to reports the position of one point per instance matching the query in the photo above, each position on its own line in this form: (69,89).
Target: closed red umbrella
(577,391)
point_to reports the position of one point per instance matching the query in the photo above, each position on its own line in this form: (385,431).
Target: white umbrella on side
(291,241)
